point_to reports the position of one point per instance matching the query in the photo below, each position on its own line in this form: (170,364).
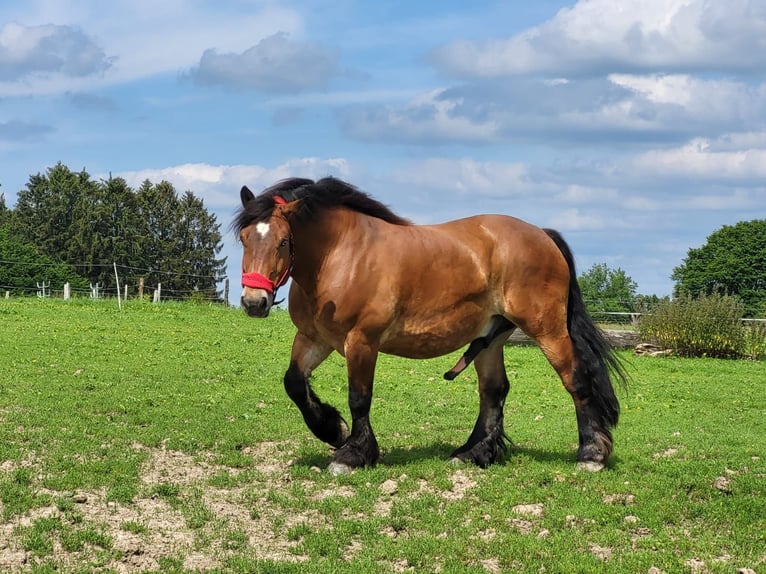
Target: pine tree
(182,237)
(199,242)
(5,213)
(45,210)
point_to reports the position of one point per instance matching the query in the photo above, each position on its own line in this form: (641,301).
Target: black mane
(315,197)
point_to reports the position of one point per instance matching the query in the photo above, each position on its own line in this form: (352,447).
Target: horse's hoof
(338,468)
(590,466)
(455,461)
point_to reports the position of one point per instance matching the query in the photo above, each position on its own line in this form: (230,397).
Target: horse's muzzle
(257,304)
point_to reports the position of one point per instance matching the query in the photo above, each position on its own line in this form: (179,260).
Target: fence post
(42,288)
(117,281)
(140,287)
(7,294)
(67,291)
(157,293)
(226,293)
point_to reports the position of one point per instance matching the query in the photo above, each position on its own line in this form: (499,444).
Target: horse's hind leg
(595,437)
(322,419)
(487,442)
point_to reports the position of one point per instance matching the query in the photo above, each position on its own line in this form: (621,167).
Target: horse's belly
(424,347)
(428,339)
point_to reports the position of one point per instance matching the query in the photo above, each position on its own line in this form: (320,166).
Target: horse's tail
(595,359)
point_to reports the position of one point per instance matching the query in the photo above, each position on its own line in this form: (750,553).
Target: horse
(367,281)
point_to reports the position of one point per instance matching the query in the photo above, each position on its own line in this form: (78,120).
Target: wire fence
(142,282)
(132,281)
(617,318)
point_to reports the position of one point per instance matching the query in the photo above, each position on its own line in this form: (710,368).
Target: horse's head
(267,256)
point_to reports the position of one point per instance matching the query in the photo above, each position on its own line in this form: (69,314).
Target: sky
(636,128)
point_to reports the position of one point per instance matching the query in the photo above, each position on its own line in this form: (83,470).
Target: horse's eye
(283,243)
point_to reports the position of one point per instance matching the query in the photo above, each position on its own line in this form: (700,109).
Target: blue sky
(636,128)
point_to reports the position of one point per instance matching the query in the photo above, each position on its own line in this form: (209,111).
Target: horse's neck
(320,238)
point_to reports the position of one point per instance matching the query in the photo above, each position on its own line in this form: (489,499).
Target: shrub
(708,326)
(755,339)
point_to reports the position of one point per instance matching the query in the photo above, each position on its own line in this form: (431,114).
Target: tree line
(732,262)
(68,227)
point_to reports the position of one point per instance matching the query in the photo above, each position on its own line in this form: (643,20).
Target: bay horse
(367,281)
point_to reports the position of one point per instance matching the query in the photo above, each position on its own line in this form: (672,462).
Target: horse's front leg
(361,448)
(322,419)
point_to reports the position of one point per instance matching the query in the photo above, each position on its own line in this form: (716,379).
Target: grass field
(160,439)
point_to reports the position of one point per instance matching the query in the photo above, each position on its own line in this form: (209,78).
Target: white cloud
(219,185)
(29,51)
(700,100)
(639,203)
(275,65)
(670,89)
(146,38)
(602,36)
(431,117)
(658,108)
(698,159)
(736,200)
(576,219)
(739,141)
(576,193)
(466,177)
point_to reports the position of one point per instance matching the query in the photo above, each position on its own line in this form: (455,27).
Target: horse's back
(508,248)
(494,229)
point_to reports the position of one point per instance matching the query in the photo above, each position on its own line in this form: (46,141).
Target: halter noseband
(256,280)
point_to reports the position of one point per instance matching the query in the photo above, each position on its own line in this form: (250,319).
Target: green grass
(181,406)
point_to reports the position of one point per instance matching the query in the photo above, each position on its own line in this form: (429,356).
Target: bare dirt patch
(600,552)
(461,484)
(153,527)
(535,509)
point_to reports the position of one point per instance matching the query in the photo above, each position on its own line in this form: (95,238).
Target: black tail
(595,358)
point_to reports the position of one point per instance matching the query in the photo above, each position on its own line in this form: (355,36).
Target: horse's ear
(288,208)
(246,195)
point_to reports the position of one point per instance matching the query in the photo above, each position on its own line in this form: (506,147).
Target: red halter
(255,280)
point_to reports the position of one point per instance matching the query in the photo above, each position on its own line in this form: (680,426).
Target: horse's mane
(314,197)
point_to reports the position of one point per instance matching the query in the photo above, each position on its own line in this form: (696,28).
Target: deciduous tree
(606,289)
(22,266)
(731,262)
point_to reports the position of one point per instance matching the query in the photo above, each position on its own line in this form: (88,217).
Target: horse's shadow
(440,451)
